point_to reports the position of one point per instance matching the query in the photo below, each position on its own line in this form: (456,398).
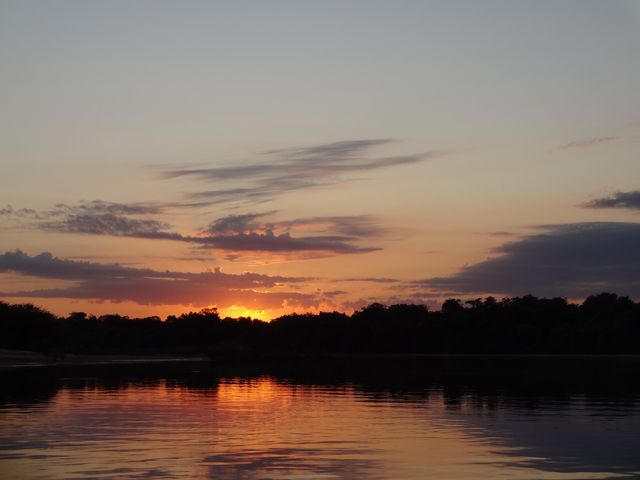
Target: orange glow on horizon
(236,311)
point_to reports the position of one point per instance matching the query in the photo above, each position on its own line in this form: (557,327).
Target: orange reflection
(237,427)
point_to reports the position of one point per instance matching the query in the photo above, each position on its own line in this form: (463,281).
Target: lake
(345,418)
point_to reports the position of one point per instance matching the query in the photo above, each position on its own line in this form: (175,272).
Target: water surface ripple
(412,420)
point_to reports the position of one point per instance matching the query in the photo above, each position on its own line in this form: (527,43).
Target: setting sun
(235,311)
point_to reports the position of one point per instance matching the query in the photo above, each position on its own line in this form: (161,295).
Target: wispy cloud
(241,233)
(275,172)
(352,226)
(234,224)
(113,282)
(96,207)
(572,260)
(370,280)
(285,170)
(629,200)
(9,211)
(326,234)
(102,218)
(110,224)
(589,142)
(284,242)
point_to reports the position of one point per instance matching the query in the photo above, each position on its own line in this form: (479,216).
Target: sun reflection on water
(265,427)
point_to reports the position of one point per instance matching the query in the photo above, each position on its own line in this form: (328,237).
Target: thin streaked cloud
(277,172)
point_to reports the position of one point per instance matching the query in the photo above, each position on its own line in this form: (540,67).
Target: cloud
(589,142)
(354,226)
(370,280)
(111,224)
(105,218)
(278,171)
(9,211)
(281,171)
(270,242)
(333,150)
(96,207)
(323,234)
(233,224)
(117,283)
(574,260)
(233,233)
(617,200)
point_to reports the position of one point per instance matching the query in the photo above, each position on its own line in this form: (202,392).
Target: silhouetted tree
(604,323)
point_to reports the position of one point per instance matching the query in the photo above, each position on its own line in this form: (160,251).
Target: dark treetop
(604,323)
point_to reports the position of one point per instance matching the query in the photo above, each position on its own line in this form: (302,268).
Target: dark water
(444,418)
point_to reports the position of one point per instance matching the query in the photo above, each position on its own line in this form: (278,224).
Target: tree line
(604,323)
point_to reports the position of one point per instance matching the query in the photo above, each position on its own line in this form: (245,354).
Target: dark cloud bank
(113,282)
(574,260)
(630,200)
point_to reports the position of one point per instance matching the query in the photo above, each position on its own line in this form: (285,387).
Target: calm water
(414,419)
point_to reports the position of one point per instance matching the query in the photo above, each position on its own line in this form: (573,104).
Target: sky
(269,157)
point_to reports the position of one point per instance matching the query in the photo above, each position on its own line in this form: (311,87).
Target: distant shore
(17,359)
(23,359)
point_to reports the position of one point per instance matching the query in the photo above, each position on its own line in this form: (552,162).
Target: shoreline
(23,359)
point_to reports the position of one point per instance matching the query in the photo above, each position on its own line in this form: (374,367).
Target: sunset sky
(269,157)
